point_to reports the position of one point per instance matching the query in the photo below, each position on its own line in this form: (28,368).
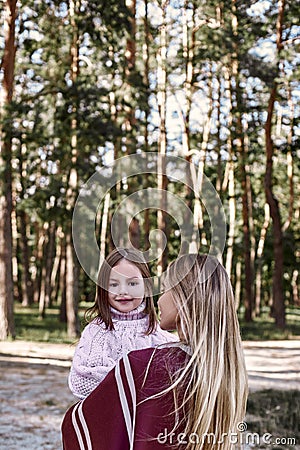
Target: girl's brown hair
(101,307)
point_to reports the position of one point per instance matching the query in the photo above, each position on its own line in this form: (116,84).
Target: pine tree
(6,281)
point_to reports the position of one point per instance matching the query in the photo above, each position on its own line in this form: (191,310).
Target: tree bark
(62,281)
(242,156)
(71,290)
(238,284)
(219,140)
(104,225)
(72,280)
(260,249)
(6,282)
(231,179)
(130,55)
(27,292)
(146,59)
(48,261)
(188,55)
(278,295)
(295,288)
(40,236)
(55,273)
(289,160)
(162,181)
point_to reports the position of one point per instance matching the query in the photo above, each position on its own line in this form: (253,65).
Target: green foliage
(31,328)
(263,328)
(113,102)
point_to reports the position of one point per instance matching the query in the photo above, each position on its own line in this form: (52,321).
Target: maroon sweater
(97,423)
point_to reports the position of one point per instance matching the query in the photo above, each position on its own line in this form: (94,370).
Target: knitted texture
(99,349)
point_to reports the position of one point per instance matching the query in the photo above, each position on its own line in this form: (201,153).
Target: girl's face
(168,311)
(126,286)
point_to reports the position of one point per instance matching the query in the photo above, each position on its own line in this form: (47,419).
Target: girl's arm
(90,364)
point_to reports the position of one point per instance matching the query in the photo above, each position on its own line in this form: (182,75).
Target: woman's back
(99,419)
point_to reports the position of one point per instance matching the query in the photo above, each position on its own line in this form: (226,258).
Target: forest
(212,84)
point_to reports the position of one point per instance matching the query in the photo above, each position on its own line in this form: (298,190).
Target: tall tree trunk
(27,292)
(71,289)
(162,181)
(62,282)
(130,121)
(219,140)
(146,59)
(230,179)
(248,299)
(104,224)
(6,281)
(203,153)
(250,211)
(278,295)
(48,261)
(38,257)
(188,54)
(240,144)
(55,273)
(115,190)
(71,280)
(42,298)
(289,160)
(295,288)
(22,225)
(17,284)
(238,283)
(130,55)
(260,249)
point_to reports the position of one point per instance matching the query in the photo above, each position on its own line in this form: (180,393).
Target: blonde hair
(101,307)
(211,391)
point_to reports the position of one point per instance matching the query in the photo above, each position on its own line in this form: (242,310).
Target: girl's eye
(113,284)
(133,283)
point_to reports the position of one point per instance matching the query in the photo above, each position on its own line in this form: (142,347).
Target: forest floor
(35,394)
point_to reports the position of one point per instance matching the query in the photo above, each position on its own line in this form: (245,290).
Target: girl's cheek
(112,291)
(137,291)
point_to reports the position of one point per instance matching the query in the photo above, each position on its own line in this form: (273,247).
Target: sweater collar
(135,314)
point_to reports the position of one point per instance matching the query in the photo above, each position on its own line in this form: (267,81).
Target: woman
(186,395)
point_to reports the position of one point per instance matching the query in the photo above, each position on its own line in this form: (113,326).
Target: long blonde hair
(212,389)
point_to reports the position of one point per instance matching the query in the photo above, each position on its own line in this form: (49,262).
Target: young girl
(189,395)
(123,318)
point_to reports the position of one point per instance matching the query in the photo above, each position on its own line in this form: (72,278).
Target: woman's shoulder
(160,336)
(172,348)
(158,357)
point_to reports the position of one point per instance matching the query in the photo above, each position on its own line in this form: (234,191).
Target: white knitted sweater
(99,349)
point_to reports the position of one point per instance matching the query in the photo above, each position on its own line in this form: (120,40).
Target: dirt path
(273,364)
(35,395)
(33,400)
